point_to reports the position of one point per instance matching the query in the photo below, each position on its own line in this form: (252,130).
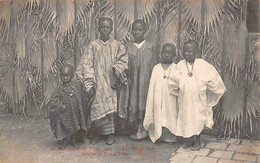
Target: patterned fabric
(66,122)
(96,69)
(141,62)
(107,128)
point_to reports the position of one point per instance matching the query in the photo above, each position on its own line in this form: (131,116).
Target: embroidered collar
(140,44)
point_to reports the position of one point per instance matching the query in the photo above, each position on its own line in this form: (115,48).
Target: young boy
(141,62)
(199,87)
(66,109)
(102,69)
(161,107)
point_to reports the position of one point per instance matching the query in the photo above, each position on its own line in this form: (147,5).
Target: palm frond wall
(37,36)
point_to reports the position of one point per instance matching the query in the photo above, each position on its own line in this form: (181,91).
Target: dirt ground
(31,140)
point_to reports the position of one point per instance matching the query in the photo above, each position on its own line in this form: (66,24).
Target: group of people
(156,98)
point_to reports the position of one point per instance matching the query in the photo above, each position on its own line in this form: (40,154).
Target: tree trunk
(56,31)
(223,59)
(135,10)
(158,31)
(223,55)
(202,26)
(244,6)
(11,40)
(75,34)
(115,19)
(179,30)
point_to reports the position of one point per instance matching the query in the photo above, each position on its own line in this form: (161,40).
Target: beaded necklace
(70,91)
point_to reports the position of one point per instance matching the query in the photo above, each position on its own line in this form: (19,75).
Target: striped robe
(95,68)
(141,62)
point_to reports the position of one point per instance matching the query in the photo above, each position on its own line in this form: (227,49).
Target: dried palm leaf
(5,13)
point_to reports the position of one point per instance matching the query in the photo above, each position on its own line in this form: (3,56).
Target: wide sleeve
(85,70)
(215,87)
(121,63)
(173,81)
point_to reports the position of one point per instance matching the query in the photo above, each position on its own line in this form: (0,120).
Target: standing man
(102,66)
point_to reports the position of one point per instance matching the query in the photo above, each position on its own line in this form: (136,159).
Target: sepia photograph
(135,81)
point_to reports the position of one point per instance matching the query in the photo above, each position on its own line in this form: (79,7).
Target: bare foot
(95,139)
(187,144)
(140,135)
(63,143)
(63,146)
(196,146)
(75,143)
(110,139)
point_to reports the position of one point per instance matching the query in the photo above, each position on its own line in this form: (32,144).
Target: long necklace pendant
(190,74)
(165,77)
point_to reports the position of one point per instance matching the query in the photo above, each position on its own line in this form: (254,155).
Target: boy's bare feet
(141,133)
(63,146)
(196,147)
(197,144)
(63,143)
(188,144)
(95,139)
(110,139)
(75,143)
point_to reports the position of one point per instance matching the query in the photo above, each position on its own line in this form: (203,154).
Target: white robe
(196,96)
(161,106)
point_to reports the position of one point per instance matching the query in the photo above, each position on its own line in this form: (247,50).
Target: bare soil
(30,139)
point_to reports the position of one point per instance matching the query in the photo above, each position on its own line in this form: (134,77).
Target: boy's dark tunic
(141,62)
(65,123)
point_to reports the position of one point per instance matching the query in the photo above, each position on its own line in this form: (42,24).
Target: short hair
(67,65)
(141,22)
(171,45)
(193,42)
(105,19)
